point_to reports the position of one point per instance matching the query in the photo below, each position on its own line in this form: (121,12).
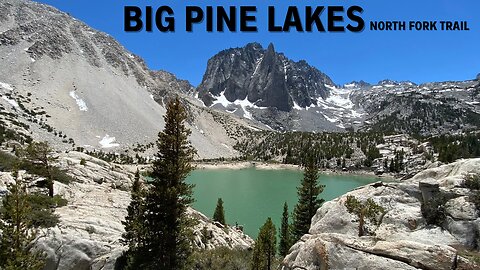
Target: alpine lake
(252,195)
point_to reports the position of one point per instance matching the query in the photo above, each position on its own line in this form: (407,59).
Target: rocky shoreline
(403,240)
(281,166)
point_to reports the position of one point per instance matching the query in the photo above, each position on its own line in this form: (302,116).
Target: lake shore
(279,166)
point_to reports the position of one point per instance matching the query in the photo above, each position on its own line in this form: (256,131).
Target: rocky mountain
(71,85)
(403,239)
(267,88)
(263,78)
(427,109)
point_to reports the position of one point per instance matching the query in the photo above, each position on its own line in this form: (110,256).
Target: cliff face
(403,240)
(263,77)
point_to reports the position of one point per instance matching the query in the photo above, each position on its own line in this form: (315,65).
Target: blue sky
(370,56)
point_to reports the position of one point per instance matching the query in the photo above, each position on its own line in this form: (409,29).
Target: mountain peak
(265,77)
(271,47)
(254,46)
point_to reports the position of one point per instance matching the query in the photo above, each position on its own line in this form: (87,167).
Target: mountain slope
(67,83)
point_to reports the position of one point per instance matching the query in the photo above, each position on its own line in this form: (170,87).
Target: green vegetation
(367,210)
(219,214)
(221,258)
(451,148)
(294,147)
(42,212)
(165,243)
(40,154)
(285,233)
(265,247)
(472,182)
(308,201)
(441,114)
(18,235)
(395,165)
(9,161)
(434,210)
(134,227)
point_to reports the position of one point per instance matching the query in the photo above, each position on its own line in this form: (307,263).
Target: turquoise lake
(252,195)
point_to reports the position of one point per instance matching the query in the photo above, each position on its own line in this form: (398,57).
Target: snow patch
(6,86)
(332,120)
(11,101)
(296,106)
(221,100)
(108,142)
(257,65)
(340,98)
(253,128)
(226,146)
(82,106)
(151,96)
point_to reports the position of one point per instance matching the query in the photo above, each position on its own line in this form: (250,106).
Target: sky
(418,56)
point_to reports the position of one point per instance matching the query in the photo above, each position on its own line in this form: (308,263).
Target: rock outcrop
(403,240)
(89,232)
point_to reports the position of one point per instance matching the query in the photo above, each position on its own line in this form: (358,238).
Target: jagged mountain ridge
(426,109)
(267,88)
(74,86)
(262,77)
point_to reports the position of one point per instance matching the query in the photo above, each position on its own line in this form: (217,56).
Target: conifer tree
(40,153)
(285,237)
(363,210)
(265,247)
(308,201)
(166,243)
(134,221)
(219,214)
(18,235)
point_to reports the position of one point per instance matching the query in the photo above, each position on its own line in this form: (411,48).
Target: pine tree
(18,235)
(167,228)
(40,153)
(308,201)
(134,226)
(265,247)
(219,214)
(363,210)
(285,238)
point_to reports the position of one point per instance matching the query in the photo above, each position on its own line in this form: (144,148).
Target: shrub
(90,229)
(367,210)
(43,208)
(472,181)
(83,162)
(434,210)
(219,259)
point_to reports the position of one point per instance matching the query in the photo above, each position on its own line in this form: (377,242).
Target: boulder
(402,240)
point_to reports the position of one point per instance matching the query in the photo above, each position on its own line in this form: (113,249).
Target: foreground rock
(403,240)
(90,227)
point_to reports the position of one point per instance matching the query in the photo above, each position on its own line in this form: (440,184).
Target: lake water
(251,195)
